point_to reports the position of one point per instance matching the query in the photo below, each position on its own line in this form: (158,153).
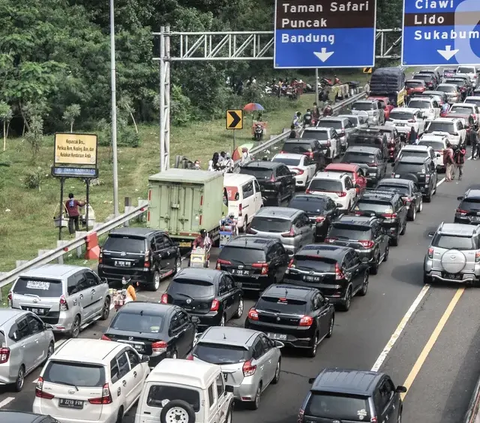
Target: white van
(185,391)
(244,197)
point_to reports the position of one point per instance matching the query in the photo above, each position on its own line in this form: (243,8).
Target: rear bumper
(115,275)
(108,414)
(301,339)
(246,390)
(465,221)
(212,318)
(253,283)
(465,278)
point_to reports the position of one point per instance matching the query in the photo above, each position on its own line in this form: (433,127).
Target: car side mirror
(229,388)
(431,234)
(279,344)
(145,359)
(459,198)
(195,320)
(401,389)
(46,326)
(311,380)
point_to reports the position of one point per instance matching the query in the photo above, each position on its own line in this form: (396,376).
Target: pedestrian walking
(412,136)
(448,162)
(474,139)
(72,206)
(459,158)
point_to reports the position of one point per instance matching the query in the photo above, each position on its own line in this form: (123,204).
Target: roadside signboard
(234,119)
(75,150)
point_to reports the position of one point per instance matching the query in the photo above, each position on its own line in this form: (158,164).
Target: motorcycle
(121,297)
(200,257)
(258,132)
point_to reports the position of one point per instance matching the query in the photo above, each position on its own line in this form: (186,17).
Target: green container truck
(183,201)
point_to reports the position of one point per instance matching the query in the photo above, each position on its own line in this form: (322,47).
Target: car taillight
(39,390)
(147,259)
(159,347)
(300,416)
(282,152)
(299,171)
(477,259)
(306,321)
(215,305)
(329,240)
(342,194)
(372,165)
(373,420)
(63,303)
(272,178)
(248,368)
(430,252)
(240,209)
(221,261)
(105,338)
(263,266)
(462,211)
(100,257)
(390,215)
(338,272)
(252,314)
(106,397)
(307,191)
(309,154)
(367,244)
(189,357)
(4,355)
(289,234)
(164,299)
(319,219)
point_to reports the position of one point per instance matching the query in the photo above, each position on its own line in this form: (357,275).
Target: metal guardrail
(472,415)
(67,247)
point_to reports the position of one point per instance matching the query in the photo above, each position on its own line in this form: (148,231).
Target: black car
(338,272)
(145,255)
(394,145)
(430,80)
(387,205)
(311,147)
(421,170)
(254,262)
(364,234)
(156,330)
(372,161)
(321,210)
(10,416)
(468,211)
(276,181)
(297,316)
(410,193)
(340,395)
(211,295)
(369,137)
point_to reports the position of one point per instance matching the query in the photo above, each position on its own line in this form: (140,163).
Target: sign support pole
(87,200)
(62,181)
(114,108)
(233,141)
(316,86)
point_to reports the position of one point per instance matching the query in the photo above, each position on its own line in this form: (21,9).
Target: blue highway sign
(441,32)
(324,34)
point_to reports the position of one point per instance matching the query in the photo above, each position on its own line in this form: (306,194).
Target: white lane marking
(6,401)
(403,323)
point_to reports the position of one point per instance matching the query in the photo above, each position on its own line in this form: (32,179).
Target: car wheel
(256,402)
(156,281)
(239,312)
(177,411)
(119,415)
(399,419)
(404,229)
(20,381)
(105,309)
(347,302)
(412,214)
(376,263)
(394,241)
(75,327)
(387,252)
(223,320)
(364,289)
(427,280)
(278,370)
(312,351)
(331,326)
(178,265)
(428,198)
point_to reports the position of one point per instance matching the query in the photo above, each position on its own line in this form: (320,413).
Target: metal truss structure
(228,46)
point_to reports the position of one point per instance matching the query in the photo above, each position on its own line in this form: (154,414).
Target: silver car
(249,360)
(452,254)
(66,297)
(291,226)
(25,343)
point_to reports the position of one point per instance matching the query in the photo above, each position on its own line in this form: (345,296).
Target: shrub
(34,178)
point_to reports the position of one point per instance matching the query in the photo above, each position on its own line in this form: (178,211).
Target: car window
(211,395)
(229,283)
(39,287)
(257,186)
(258,349)
(133,357)
(114,370)
(74,282)
(158,394)
(220,353)
(74,374)
(222,287)
(23,330)
(159,242)
(92,280)
(314,263)
(183,318)
(220,386)
(35,325)
(281,305)
(125,244)
(270,224)
(266,345)
(134,322)
(242,255)
(338,406)
(191,288)
(167,242)
(123,364)
(453,242)
(247,190)
(347,231)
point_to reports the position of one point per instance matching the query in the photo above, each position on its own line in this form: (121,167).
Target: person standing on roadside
(474,138)
(459,157)
(293,132)
(72,206)
(448,162)
(316,113)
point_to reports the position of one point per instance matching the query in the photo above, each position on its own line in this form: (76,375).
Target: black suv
(366,235)
(352,396)
(211,295)
(310,147)
(298,317)
(468,211)
(276,181)
(387,205)
(421,170)
(10,416)
(410,193)
(253,261)
(145,255)
(394,144)
(338,272)
(370,138)
(372,161)
(321,211)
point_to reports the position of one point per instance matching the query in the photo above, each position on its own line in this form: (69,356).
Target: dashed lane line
(6,401)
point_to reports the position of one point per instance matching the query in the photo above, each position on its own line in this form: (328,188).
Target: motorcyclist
(128,286)
(328,110)
(307,118)
(202,240)
(229,222)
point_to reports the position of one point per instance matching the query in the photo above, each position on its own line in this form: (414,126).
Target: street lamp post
(114,108)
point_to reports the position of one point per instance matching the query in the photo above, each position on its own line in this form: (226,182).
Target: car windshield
(465,70)
(358,157)
(414,153)
(345,231)
(413,84)
(125,244)
(436,145)
(316,135)
(335,124)
(191,288)
(404,168)
(362,106)
(220,353)
(354,120)
(398,115)
(436,126)
(402,190)
(74,374)
(297,147)
(318,264)
(475,101)
(281,305)
(287,161)
(336,406)
(461,110)
(159,395)
(426,78)
(327,185)
(241,254)
(270,224)
(471,204)
(446,89)
(418,104)
(457,82)
(259,172)
(309,204)
(137,322)
(374,206)
(38,287)
(453,242)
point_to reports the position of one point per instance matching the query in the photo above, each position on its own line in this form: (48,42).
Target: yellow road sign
(234,119)
(367,70)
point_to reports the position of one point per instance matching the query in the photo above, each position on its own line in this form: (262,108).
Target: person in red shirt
(72,206)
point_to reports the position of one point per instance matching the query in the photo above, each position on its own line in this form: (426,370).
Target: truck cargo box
(183,201)
(387,81)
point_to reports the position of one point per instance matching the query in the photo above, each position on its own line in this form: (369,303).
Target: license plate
(121,263)
(311,278)
(450,276)
(69,403)
(400,124)
(277,336)
(187,244)
(39,311)
(475,218)
(240,272)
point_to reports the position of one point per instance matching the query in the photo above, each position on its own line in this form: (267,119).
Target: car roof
(311,197)
(413,159)
(142,307)
(473,97)
(349,116)
(391,181)
(446,120)
(288,156)
(457,229)
(194,273)
(237,178)
(251,242)
(416,148)
(324,250)
(366,101)
(318,129)
(405,109)
(446,85)
(332,118)
(388,128)
(354,220)
(415,80)
(472,193)
(434,137)
(354,382)
(7,416)
(347,167)
(53,271)
(229,335)
(262,164)
(188,373)
(7,314)
(328,175)
(289,291)
(463,104)
(86,350)
(363,149)
(300,140)
(280,212)
(378,195)
(138,232)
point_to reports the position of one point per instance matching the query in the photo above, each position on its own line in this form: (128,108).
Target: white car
(473,100)
(337,186)
(404,118)
(465,109)
(453,128)
(429,107)
(438,143)
(328,138)
(451,90)
(303,166)
(90,380)
(470,72)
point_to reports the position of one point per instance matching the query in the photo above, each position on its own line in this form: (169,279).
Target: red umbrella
(252,107)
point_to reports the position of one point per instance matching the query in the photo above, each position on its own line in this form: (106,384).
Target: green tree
(71,113)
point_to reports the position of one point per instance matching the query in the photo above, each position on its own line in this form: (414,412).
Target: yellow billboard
(76,149)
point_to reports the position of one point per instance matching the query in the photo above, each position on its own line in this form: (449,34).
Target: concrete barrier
(61,244)
(80,234)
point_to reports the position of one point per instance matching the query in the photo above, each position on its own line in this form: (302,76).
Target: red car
(354,171)
(414,86)
(383,103)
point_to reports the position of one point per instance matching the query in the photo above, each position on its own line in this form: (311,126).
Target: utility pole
(316,86)
(114,108)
